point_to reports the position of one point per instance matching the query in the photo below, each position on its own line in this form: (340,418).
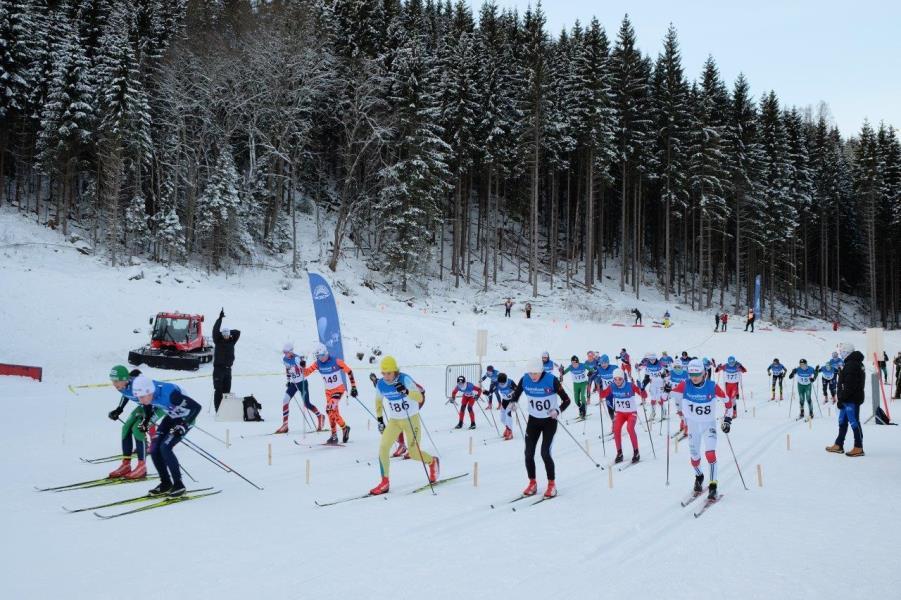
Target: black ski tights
(546,428)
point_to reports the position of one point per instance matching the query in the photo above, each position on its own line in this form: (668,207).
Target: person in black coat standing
(224,340)
(851,380)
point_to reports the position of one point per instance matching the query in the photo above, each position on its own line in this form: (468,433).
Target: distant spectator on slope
(507,306)
(750,321)
(637,314)
(528,310)
(724,319)
(716,322)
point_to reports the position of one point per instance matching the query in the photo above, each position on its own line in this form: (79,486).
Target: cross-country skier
(709,366)
(696,399)
(330,368)
(547,400)
(625,395)
(806,376)
(666,360)
(830,379)
(776,370)
(677,376)
(506,388)
(603,379)
(851,381)
(652,383)
(294,368)
(398,393)
(491,392)
(133,439)
(580,382)
(625,363)
(181,411)
(732,371)
(836,361)
(684,358)
(469,393)
(546,363)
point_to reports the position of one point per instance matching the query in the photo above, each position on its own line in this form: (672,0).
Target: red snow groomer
(176,342)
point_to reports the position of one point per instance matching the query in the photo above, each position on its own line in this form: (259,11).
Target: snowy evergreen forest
(434,142)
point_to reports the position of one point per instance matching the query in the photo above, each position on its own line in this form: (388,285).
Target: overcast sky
(845,53)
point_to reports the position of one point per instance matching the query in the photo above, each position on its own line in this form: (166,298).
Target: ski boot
(472,425)
(122,470)
(551,490)
(346,435)
(434,470)
(531,489)
(835,448)
(320,421)
(711,491)
(636,457)
(855,451)
(582,412)
(459,425)
(699,484)
(381,488)
(508,434)
(161,490)
(401,450)
(619,457)
(282,429)
(333,440)
(653,413)
(178,489)
(801,416)
(139,472)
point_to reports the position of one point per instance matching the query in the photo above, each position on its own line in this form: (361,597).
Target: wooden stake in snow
(754,411)
(610,478)
(475,474)
(227,439)
(270,454)
(676,446)
(788,441)
(587,449)
(470,445)
(759,476)
(308,471)
(810,424)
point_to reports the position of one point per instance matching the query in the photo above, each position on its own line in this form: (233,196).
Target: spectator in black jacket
(851,381)
(224,340)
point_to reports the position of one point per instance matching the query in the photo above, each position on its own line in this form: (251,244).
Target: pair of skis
(92,483)
(157,502)
(708,502)
(417,490)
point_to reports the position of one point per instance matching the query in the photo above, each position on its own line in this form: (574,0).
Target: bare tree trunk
(533,263)
(589,221)
(622,272)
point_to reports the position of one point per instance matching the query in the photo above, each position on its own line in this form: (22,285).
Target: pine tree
(217,225)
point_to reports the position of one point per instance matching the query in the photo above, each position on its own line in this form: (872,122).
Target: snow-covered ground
(821,525)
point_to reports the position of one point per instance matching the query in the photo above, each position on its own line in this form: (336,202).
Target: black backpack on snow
(252,409)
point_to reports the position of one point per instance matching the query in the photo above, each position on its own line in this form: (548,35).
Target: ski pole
(215,437)
(741,385)
(736,461)
(603,442)
(667,440)
(576,442)
(791,401)
(650,437)
(523,435)
(216,461)
(365,408)
(486,417)
(307,420)
(147,451)
(426,427)
(419,450)
(816,394)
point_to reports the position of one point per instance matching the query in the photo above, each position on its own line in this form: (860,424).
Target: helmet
(618,374)
(288,347)
(604,359)
(545,356)
(489,368)
(142,386)
(696,367)
(591,354)
(731,360)
(389,365)
(461,379)
(574,358)
(502,378)
(321,351)
(534,365)
(118,373)
(685,353)
(664,353)
(705,362)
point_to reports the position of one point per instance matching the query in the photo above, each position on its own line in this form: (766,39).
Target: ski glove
(144,427)
(727,424)
(645,381)
(667,388)
(373,378)
(553,413)
(381,424)
(114,414)
(401,388)
(222,313)
(180,429)
(353,391)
